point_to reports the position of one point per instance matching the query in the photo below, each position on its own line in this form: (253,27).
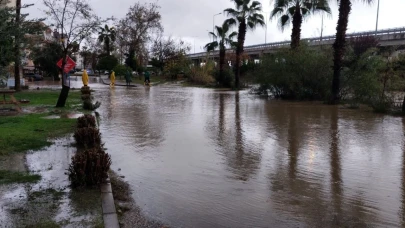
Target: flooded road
(205,158)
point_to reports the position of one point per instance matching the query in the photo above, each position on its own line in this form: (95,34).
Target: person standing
(112,78)
(147,78)
(128,78)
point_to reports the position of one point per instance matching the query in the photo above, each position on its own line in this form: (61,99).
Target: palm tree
(296,10)
(107,35)
(345,7)
(246,15)
(224,40)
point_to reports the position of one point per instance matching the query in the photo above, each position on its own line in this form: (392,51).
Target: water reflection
(192,154)
(335,166)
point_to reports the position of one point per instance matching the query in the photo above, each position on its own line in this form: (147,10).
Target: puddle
(50,201)
(64,116)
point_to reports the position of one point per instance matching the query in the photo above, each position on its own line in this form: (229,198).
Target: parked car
(33,77)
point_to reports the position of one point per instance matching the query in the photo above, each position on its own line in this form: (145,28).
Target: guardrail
(380,33)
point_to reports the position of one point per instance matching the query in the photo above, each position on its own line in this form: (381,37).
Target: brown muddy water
(49,202)
(205,158)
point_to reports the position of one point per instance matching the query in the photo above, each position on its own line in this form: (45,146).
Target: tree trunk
(65,89)
(296,30)
(239,51)
(107,46)
(221,65)
(17,60)
(339,47)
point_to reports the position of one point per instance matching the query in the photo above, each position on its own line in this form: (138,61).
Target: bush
(121,70)
(296,74)
(85,90)
(87,137)
(107,63)
(88,105)
(360,80)
(86,97)
(202,75)
(228,77)
(89,168)
(86,120)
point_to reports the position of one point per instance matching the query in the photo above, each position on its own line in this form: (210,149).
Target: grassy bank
(47,97)
(31,131)
(7,177)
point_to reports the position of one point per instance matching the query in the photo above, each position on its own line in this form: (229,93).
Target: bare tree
(141,21)
(165,48)
(74,20)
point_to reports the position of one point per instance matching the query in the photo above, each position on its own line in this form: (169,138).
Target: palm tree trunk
(221,65)
(296,30)
(339,47)
(17,61)
(107,46)
(239,51)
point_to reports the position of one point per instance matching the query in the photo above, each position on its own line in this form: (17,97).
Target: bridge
(386,37)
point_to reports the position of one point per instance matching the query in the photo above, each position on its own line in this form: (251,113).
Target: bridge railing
(325,39)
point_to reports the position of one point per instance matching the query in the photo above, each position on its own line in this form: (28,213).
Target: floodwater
(50,199)
(208,158)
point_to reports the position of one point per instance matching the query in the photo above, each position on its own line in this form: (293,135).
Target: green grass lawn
(32,131)
(7,177)
(47,97)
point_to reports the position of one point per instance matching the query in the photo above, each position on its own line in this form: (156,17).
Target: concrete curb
(108,206)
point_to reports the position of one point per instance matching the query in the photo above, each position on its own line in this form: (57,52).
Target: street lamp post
(378,12)
(213,24)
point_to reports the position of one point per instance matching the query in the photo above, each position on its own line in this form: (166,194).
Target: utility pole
(213,24)
(265,33)
(378,12)
(322,28)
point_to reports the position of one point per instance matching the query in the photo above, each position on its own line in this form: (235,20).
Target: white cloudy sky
(190,19)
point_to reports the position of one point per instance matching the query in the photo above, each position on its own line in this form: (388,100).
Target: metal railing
(317,40)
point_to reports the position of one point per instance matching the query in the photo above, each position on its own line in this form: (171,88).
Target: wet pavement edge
(108,206)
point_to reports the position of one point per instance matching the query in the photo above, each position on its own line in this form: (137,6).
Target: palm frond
(284,21)
(211,46)
(232,35)
(276,12)
(213,35)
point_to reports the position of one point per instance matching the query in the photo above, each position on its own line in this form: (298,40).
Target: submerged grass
(8,177)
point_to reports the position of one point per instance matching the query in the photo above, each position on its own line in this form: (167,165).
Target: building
(8,3)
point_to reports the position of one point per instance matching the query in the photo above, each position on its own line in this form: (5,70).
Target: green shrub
(121,70)
(360,81)
(89,168)
(86,97)
(228,77)
(89,105)
(296,74)
(202,75)
(85,90)
(86,120)
(382,105)
(87,137)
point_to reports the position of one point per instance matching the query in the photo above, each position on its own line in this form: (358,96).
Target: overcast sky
(190,19)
